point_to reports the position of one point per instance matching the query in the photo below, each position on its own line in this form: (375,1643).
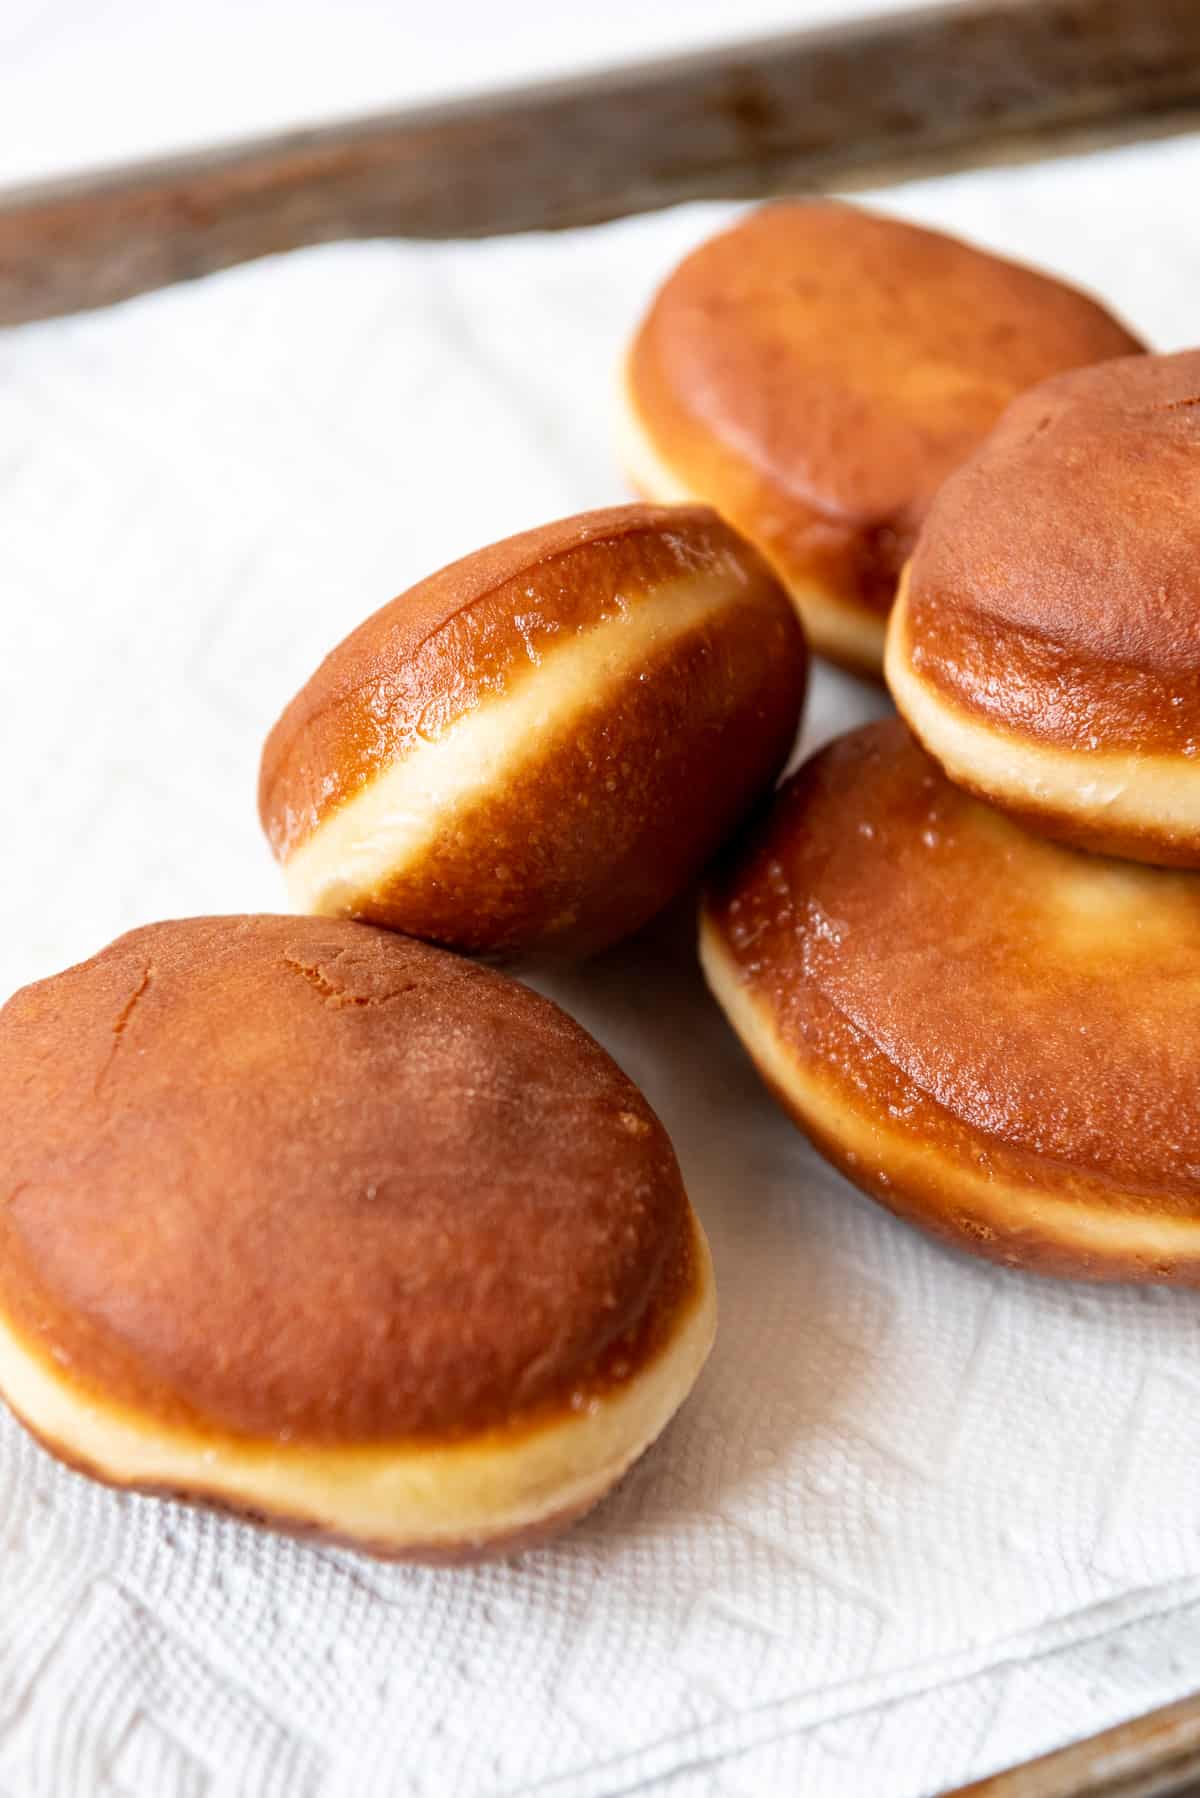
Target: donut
(1046,647)
(817,371)
(331,1229)
(995,1036)
(533,752)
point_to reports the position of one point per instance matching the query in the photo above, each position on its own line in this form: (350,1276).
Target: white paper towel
(920,1517)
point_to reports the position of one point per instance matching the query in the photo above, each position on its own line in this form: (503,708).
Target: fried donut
(332,1229)
(995,1036)
(817,371)
(1046,648)
(534,751)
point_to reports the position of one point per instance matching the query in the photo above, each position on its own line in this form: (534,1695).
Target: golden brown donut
(995,1036)
(1046,648)
(817,371)
(534,751)
(327,1227)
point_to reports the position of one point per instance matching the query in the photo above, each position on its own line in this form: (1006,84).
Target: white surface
(920,1517)
(90,82)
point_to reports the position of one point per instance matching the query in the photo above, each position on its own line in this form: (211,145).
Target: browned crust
(472,629)
(1055,590)
(621,808)
(937,1205)
(613,812)
(906,947)
(679,1292)
(817,371)
(300,1180)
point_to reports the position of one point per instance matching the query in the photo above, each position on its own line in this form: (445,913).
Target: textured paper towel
(920,1517)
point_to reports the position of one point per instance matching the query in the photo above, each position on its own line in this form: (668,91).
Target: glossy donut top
(969,982)
(474,630)
(817,371)
(1056,585)
(301,1179)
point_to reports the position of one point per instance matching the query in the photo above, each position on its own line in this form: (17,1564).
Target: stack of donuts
(952,946)
(326,1220)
